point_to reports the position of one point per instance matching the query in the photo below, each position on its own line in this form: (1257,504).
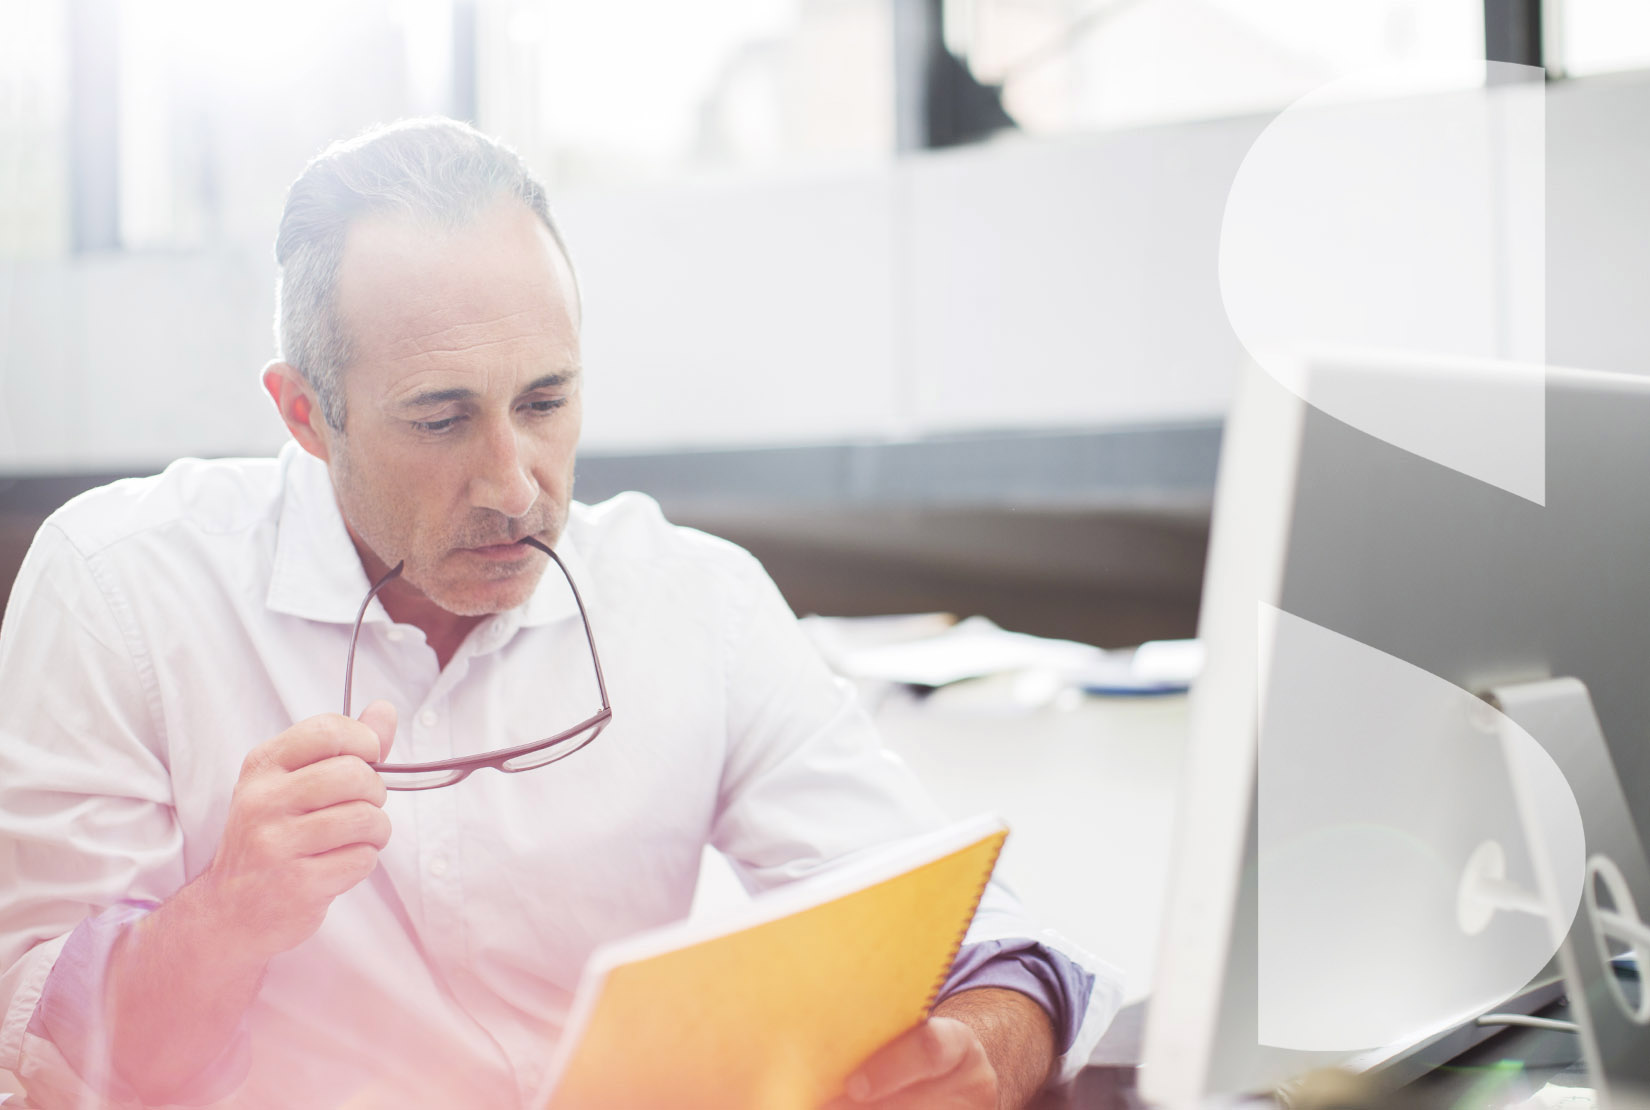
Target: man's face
(462,402)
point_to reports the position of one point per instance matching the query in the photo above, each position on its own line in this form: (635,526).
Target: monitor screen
(1359,860)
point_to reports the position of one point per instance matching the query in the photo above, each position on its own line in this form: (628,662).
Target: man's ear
(299,407)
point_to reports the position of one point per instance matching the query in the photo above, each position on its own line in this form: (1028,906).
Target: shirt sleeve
(808,784)
(1045,976)
(805,782)
(86,819)
(67,1015)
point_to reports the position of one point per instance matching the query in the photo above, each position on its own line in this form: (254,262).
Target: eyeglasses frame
(468,765)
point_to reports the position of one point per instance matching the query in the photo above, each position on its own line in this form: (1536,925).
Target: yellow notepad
(776,1009)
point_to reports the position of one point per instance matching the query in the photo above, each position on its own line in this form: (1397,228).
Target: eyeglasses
(523,757)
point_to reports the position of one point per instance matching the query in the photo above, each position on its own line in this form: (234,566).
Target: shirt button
(427,718)
(438,866)
(394,635)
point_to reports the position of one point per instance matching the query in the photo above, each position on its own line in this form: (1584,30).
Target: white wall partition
(1017,285)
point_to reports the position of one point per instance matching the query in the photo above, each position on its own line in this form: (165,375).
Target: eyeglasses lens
(418,780)
(559,750)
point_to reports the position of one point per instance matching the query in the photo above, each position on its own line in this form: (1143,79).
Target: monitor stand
(1609,1004)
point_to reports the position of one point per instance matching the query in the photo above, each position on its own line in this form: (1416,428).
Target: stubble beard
(469,587)
(426,565)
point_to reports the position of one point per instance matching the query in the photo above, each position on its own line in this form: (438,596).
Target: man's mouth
(502,552)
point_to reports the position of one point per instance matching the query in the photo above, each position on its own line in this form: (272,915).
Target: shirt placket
(439,851)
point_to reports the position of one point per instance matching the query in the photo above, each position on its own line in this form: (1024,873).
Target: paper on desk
(928,649)
(840,639)
(1169,662)
(1155,667)
(970,649)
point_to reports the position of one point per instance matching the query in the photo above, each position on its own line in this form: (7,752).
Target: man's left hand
(985,1049)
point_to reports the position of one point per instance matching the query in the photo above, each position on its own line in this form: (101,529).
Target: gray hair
(437,171)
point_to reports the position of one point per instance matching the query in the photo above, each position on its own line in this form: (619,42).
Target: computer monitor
(1369,852)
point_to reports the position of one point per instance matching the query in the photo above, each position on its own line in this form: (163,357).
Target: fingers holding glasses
(324,736)
(305,824)
(334,781)
(379,716)
(340,826)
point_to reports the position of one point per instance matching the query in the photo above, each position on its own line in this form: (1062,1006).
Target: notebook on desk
(775,1007)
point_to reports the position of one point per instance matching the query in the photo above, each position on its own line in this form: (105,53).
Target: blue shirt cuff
(1048,978)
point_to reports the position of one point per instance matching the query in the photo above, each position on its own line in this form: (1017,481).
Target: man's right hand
(306,823)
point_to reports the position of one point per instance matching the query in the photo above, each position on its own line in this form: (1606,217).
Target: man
(217,899)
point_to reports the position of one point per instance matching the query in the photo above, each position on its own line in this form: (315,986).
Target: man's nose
(502,480)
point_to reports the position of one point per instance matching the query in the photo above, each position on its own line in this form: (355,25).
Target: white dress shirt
(161,628)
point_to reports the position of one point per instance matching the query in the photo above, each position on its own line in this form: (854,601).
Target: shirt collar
(317,573)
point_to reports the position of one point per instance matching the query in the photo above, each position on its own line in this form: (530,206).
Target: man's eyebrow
(436,397)
(442,396)
(553,381)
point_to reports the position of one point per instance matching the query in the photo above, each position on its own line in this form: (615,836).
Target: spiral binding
(973,908)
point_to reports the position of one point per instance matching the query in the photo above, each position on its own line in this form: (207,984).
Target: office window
(34,106)
(220,104)
(1068,65)
(637,90)
(205,109)
(1599,36)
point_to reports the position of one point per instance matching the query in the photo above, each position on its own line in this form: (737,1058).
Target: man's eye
(550,405)
(435,425)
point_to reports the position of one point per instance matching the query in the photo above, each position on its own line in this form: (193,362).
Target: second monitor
(1395,537)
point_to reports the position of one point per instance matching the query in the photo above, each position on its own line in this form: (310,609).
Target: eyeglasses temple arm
(590,637)
(349,661)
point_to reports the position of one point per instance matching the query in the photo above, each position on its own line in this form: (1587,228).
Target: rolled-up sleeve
(1048,978)
(86,816)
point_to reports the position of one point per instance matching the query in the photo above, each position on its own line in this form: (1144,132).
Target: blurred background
(917,299)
